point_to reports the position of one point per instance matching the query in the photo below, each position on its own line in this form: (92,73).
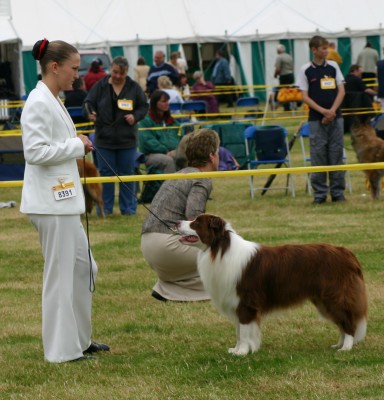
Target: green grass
(179,351)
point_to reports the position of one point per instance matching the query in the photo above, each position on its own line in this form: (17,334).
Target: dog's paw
(239,350)
(347,343)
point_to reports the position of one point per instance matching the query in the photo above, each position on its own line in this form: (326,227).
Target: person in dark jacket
(380,80)
(116,104)
(76,96)
(160,68)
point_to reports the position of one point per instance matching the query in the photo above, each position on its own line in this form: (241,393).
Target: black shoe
(84,358)
(319,201)
(336,199)
(96,347)
(158,296)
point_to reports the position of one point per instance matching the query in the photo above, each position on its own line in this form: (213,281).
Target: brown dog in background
(92,191)
(369,148)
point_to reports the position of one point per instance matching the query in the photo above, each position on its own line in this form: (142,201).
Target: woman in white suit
(53,198)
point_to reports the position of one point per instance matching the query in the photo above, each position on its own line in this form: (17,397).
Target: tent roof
(7,31)
(89,24)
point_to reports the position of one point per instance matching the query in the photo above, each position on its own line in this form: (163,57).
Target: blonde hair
(197,75)
(163,82)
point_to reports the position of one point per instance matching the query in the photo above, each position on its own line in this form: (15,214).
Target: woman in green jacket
(159,134)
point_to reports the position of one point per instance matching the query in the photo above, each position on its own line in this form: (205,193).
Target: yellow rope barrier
(221,174)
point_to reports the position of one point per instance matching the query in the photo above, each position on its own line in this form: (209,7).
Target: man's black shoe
(96,347)
(336,199)
(319,201)
(158,296)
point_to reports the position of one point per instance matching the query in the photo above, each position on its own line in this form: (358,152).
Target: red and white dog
(247,280)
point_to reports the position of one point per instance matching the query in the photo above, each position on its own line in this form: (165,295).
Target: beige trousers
(176,266)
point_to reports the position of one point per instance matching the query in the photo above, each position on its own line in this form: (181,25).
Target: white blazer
(51,147)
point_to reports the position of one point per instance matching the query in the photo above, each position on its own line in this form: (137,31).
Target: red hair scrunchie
(42,49)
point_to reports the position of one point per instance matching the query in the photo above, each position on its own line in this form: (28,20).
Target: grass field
(179,351)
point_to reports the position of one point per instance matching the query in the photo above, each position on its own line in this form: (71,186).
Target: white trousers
(66,297)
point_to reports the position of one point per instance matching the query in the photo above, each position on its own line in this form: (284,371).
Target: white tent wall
(131,24)
(132,54)
(245,53)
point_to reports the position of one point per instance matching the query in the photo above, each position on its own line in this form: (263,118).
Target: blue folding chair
(304,142)
(247,108)
(198,107)
(378,124)
(269,144)
(75,112)
(175,107)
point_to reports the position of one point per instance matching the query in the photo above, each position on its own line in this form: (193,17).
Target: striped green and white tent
(253,29)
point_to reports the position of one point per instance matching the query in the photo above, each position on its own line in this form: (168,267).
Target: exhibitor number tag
(64,191)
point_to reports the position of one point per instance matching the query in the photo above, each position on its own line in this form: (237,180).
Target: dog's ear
(216,223)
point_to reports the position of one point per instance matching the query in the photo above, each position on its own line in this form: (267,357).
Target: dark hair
(353,68)
(95,66)
(77,83)
(141,61)
(58,51)
(200,145)
(120,61)
(155,97)
(181,76)
(317,41)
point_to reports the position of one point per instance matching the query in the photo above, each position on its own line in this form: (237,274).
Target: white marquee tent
(254,27)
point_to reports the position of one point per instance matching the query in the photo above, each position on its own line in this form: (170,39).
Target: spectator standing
(182,66)
(174,263)
(322,86)
(173,60)
(221,76)
(141,73)
(205,87)
(76,96)
(333,54)
(116,104)
(165,84)
(94,74)
(160,68)
(380,79)
(53,198)
(367,59)
(177,62)
(284,70)
(158,136)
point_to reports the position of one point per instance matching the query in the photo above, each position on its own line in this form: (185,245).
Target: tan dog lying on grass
(92,191)
(369,148)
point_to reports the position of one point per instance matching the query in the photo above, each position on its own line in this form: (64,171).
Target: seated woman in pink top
(204,88)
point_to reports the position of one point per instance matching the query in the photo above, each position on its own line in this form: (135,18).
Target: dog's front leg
(233,350)
(249,339)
